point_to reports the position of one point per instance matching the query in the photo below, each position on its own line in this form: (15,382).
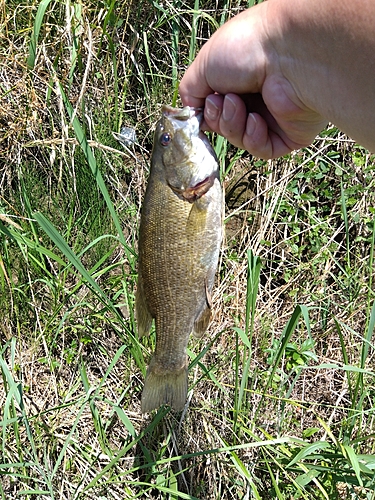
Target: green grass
(281,401)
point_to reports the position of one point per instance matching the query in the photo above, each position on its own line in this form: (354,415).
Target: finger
(227,116)
(258,134)
(213,108)
(263,142)
(194,87)
(191,100)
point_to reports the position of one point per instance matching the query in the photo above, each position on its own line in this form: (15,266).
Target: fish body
(179,241)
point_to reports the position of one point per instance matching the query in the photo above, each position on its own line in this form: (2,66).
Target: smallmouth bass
(179,242)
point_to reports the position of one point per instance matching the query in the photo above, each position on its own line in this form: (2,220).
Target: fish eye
(165,139)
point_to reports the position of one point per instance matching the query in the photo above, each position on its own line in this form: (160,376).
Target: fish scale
(179,241)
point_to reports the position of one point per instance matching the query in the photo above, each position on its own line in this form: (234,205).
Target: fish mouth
(193,193)
(183,114)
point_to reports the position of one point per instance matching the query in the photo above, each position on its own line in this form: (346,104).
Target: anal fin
(203,320)
(201,323)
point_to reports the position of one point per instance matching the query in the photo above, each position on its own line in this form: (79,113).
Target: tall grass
(281,400)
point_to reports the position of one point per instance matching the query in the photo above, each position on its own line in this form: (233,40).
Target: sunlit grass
(281,400)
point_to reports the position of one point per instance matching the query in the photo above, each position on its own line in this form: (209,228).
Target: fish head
(184,153)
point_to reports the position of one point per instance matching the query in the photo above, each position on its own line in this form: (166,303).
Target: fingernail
(229,108)
(251,124)
(210,109)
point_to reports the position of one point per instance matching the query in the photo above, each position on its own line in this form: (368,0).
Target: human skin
(271,78)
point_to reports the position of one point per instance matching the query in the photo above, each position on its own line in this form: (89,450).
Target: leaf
(35,35)
(310,431)
(21,240)
(306,478)
(125,420)
(308,450)
(354,461)
(243,336)
(63,246)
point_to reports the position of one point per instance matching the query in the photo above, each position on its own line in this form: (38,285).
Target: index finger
(194,87)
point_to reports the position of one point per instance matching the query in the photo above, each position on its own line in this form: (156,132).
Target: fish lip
(198,112)
(183,114)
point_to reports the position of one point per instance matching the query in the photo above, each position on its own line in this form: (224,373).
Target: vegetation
(281,401)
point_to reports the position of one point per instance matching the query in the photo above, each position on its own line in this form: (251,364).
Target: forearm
(326,49)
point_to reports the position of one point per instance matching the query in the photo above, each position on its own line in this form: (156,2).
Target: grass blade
(354,462)
(63,246)
(35,34)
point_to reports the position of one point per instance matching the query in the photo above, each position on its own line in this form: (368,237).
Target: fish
(179,243)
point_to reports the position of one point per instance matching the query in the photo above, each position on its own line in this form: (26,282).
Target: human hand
(247,89)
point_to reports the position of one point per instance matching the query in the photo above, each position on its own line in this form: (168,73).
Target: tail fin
(164,388)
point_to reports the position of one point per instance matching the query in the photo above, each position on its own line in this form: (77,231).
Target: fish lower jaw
(193,193)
